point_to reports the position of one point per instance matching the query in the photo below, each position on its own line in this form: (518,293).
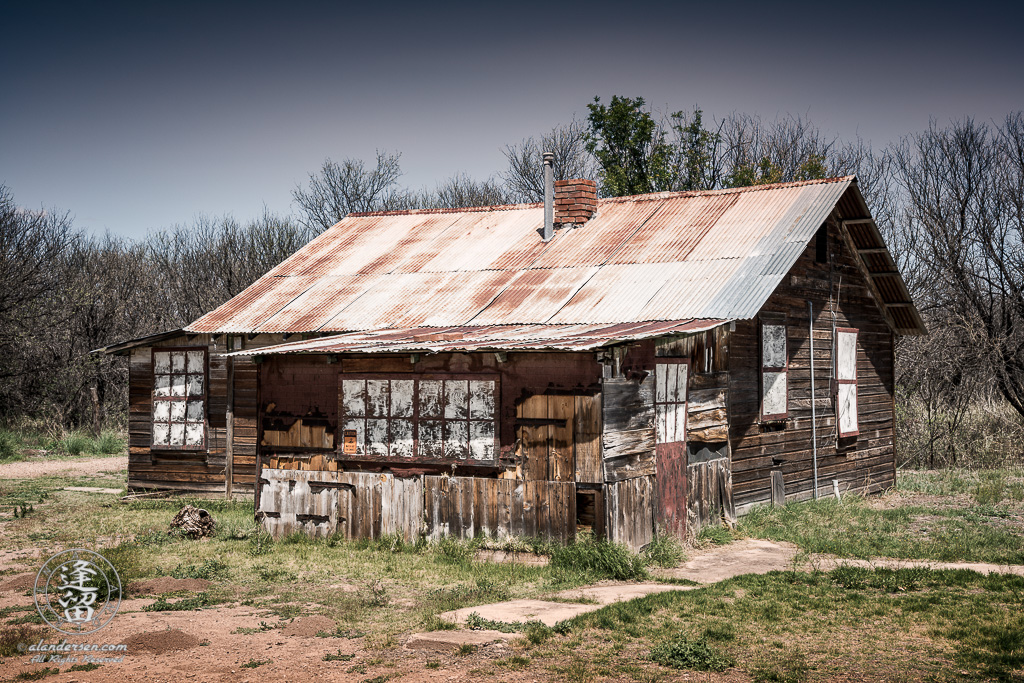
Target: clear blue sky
(140,115)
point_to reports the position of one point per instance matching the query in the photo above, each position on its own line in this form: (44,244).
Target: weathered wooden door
(544,427)
(671,376)
(560,438)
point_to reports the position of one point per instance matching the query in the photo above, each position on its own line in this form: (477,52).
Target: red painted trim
(855,332)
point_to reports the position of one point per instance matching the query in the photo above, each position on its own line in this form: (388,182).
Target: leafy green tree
(630,147)
(698,160)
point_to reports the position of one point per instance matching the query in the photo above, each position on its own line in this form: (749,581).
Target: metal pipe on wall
(814,413)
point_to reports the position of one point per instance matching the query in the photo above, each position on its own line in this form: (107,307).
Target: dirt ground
(26,469)
(217,644)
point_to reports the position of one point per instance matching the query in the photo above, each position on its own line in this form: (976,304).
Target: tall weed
(594,559)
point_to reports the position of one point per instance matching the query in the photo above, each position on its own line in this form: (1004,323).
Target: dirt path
(28,469)
(756,556)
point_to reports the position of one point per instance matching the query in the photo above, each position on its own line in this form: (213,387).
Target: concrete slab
(548,613)
(746,556)
(446,641)
(91,489)
(606,595)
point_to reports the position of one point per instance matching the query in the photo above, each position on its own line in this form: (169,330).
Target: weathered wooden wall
(863,463)
(630,506)
(197,471)
(628,426)
(466,507)
(372,505)
(351,504)
(709,493)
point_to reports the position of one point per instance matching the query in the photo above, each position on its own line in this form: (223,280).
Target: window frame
(204,397)
(418,457)
(658,432)
(783,369)
(840,382)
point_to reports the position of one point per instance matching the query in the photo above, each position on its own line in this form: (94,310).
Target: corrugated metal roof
(486,338)
(664,256)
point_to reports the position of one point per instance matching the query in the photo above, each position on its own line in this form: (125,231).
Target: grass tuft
(664,551)
(684,652)
(10,447)
(592,559)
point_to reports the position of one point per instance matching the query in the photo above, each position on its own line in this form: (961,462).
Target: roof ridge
(728,190)
(647,196)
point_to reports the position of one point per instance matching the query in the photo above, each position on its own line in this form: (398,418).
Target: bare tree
(524,177)
(963,187)
(32,245)
(202,265)
(340,189)
(460,191)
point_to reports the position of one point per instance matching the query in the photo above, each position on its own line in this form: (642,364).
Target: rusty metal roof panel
(498,240)
(312,309)
(673,232)
(597,240)
(535,296)
(428,299)
(617,293)
(667,256)
(486,338)
(692,285)
(259,301)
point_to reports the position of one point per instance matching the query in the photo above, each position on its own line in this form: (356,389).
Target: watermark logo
(77,591)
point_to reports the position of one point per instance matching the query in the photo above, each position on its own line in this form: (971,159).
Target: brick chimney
(575,201)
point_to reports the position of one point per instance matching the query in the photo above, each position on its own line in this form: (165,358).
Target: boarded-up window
(670,401)
(449,418)
(846,381)
(179,399)
(774,366)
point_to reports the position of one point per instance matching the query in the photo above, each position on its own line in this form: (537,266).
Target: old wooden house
(621,365)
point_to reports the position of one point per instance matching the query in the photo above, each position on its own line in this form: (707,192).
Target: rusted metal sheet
(616,294)
(486,338)
(312,309)
(602,236)
(533,295)
(259,302)
(657,257)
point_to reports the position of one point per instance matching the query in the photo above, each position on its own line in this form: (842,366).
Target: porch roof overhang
(122,348)
(487,338)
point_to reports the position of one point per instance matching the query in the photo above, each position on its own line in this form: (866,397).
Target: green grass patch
(37,674)
(714,535)
(10,447)
(255,663)
(664,551)
(854,528)
(794,626)
(684,652)
(588,559)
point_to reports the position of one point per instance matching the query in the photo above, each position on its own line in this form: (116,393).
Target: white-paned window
(774,367)
(670,380)
(846,381)
(179,399)
(450,418)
